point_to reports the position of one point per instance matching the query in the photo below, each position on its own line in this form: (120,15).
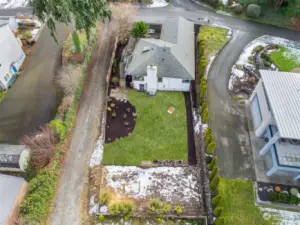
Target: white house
(11,57)
(167,63)
(275,109)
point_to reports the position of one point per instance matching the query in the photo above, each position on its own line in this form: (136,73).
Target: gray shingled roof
(283,91)
(9,191)
(173,53)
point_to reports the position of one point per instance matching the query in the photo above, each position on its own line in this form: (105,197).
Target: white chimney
(151,79)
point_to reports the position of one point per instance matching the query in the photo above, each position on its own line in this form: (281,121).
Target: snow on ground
(8,4)
(172,184)
(158,3)
(96,158)
(292,46)
(282,216)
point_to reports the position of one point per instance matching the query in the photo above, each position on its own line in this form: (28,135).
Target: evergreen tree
(213,173)
(76,41)
(218,211)
(214,183)
(208,139)
(211,147)
(216,200)
(212,164)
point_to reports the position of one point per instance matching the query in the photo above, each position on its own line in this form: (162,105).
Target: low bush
(101,217)
(59,128)
(257,49)
(213,173)
(253,11)
(208,159)
(178,209)
(266,63)
(156,206)
(251,59)
(218,211)
(208,139)
(284,198)
(248,2)
(203,106)
(216,200)
(42,146)
(34,208)
(214,183)
(140,29)
(114,209)
(211,166)
(211,147)
(126,218)
(205,116)
(237,9)
(294,200)
(126,208)
(166,208)
(105,198)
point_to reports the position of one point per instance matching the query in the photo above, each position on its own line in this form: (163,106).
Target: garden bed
(278,193)
(120,119)
(152,221)
(172,185)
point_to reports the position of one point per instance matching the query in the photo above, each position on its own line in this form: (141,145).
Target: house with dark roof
(275,110)
(12,191)
(166,64)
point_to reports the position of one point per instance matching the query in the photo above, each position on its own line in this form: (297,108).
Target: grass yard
(285,59)
(214,37)
(157,134)
(238,203)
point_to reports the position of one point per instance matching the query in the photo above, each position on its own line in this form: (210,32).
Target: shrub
(126,218)
(156,206)
(237,9)
(211,147)
(76,42)
(267,63)
(101,217)
(294,191)
(213,173)
(147,2)
(208,139)
(159,220)
(68,79)
(257,49)
(214,183)
(216,200)
(59,128)
(140,29)
(201,48)
(105,198)
(178,209)
(219,221)
(166,208)
(208,159)
(213,163)
(203,106)
(253,11)
(205,116)
(126,208)
(202,66)
(294,200)
(42,146)
(27,35)
(115,80)
(208,131)
(251,59)
(114,209)
(34,208)
(275,196)
(218,211)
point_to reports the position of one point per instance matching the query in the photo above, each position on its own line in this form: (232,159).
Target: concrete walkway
(75,171)
(31,101)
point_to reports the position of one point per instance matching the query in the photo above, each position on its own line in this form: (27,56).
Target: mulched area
(264,190)
(122,125)
(190,129)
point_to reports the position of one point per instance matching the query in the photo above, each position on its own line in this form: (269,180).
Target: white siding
(167,84)
(11,52)
(266,114)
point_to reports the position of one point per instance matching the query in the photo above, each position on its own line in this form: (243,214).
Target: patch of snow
(93,206)
(224,13)
(167,183)
(282,216)
(103,209)
(158,3)
(9,4)
(96,158)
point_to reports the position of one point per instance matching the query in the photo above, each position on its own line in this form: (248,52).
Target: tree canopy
(83,13)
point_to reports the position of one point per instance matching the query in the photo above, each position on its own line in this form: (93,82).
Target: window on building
(6,77)
(159,79)
(186,81)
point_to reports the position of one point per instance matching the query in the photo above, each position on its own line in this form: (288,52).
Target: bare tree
(69,79)
(42,145)
(123,15)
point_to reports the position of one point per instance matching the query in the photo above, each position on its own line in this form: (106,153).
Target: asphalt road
(32,100)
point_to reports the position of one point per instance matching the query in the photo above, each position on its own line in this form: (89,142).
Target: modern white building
(275,109)
(166,64)
(11,57)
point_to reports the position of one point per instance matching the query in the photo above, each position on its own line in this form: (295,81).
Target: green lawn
(215,39)
(157,134)
(285,60)
(238,203)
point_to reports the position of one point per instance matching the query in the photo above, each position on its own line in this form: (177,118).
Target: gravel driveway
(75,171)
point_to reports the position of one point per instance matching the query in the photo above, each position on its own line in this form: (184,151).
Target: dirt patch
(121,118)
